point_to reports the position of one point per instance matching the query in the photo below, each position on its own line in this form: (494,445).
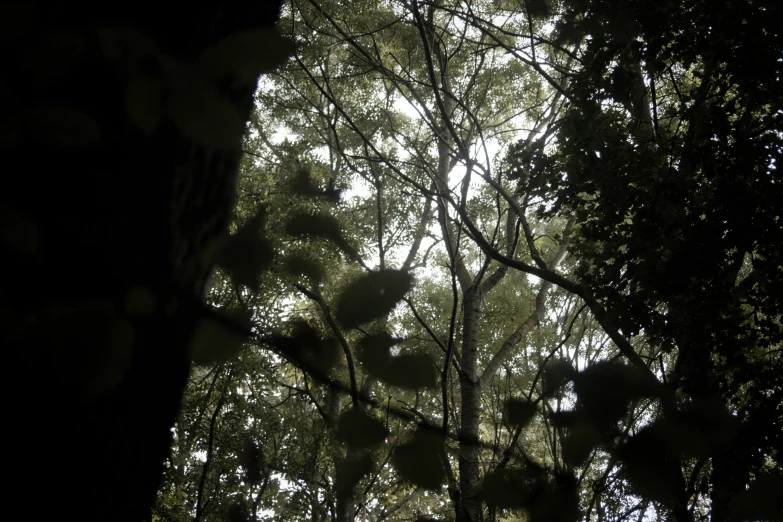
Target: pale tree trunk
(93,207)
(471,507)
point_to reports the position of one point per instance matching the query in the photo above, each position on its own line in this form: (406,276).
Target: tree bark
(95,210)
(470,508)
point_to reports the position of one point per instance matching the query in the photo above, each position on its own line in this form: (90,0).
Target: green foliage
(674,252)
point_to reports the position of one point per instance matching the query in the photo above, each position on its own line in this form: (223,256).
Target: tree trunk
(98,207)
(470,506)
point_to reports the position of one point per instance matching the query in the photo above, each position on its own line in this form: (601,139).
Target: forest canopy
(527,267)
(486,261)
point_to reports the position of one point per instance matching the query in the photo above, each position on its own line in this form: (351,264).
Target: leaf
(360,430)
(537,8)
(518,412)
(300,265)
(372,296)
(304,337)
(110,369)
(322,357)
(318,226)
(18,232)
(306,348)
(247,54)
(302,184)
(698,428)
(605,389)
(761,501)
(555,375)
(201,114)
(650,466)
(64,126)
(144,102)
(419,461)
(506,488)
(246,253)
(374,352)
(216,340)
(238,513)
(351,472)
(251,460)
(141,301)
(580,441)
(555,501)
(123,44)
(568,32)
(412,371)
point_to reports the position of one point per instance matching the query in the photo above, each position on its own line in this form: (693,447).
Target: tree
(122,134)
(670,146)
(327,102)
(568,355)
(652,120)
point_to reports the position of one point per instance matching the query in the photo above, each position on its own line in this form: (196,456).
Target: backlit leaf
(372,296)
(761,501)
(318,226)
(219,339)
(605,389)
(374,352)
(412,371)
(360,430)
(580,441)
(201,113)
(246,54)
(64,126)
(518,412)
(556,374)
(300,265)
(246,253)
(351,472)
(419,461)
(507,488)
(537,8)
(144,102)
(650,466)
(251,460)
